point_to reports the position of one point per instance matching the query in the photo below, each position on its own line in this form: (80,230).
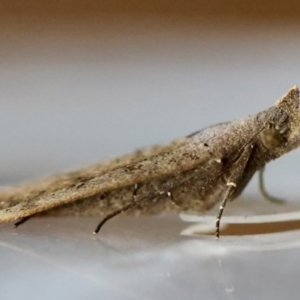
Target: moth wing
(15,194)
(181,155)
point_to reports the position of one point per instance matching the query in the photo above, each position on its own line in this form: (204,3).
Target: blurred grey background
(82,81)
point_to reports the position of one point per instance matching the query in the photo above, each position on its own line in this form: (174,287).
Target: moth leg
(119,211)
(230,189)
(22,221)
(113,214)
(135,191)
(170,195)
(131,205)
(236,172)
(262,188)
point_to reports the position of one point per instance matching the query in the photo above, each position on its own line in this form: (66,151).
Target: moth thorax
(274,137)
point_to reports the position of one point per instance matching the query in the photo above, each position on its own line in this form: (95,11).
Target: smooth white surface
(144,258)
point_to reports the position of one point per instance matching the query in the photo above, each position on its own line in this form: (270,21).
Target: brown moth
(190,174)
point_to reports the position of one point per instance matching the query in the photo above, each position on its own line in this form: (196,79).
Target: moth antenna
(22,221)
(231,186)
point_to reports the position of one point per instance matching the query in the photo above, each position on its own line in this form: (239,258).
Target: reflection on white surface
(250,211)
(266,226)
(258,242)
(140,258)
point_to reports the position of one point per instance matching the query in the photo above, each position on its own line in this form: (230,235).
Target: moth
(190,174)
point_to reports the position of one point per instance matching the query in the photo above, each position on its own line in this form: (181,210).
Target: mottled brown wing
(176,157)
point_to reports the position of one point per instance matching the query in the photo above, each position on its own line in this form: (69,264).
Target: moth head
(282,121)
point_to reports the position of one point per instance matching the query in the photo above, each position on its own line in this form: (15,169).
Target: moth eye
(273,137)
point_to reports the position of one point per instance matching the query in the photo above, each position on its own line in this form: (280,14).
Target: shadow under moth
(190,174)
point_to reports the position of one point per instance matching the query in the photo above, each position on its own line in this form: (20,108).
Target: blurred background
(82,81)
